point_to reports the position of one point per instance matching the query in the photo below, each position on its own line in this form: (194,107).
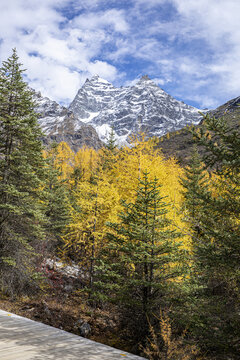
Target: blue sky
(190,48)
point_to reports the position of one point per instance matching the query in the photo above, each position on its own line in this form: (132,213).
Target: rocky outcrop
(60,124)
(179,144)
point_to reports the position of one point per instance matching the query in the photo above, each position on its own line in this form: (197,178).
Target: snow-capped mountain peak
(141,107)
(98,80)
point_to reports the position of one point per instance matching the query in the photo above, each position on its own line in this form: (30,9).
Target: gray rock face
(83,328)
(60,124)
(142,107)
(227,109)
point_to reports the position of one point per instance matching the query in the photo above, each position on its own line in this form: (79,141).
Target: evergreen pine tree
(109,152)
(142,257)
(21,174)
(56,205)
(217,251)
(111,142)
(194,183)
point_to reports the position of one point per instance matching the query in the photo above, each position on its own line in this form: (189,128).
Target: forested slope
(126,240)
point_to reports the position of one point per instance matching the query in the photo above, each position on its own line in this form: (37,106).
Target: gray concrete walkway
(24,339)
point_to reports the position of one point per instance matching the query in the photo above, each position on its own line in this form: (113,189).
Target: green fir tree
(22,171)
(216,254)
(194,183)
(111,141)
(56,204)
(142,259)
(109,152)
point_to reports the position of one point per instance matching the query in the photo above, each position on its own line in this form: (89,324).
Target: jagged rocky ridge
(60,124)
(180,144)
(99,106)
(141,107)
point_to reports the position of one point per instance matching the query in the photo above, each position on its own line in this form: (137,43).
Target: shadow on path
(24,339)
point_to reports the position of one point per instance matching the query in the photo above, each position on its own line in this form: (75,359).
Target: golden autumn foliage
(144,156)
(63,159)
(95,203)
(86,162)
(163,346)
(99,180)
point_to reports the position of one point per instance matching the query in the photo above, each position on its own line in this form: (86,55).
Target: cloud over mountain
(192,47)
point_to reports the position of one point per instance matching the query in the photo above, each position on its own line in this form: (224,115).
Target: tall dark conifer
(21,174)
(56,205)
(216,253)
(142,258)
(195,187)
(109,152)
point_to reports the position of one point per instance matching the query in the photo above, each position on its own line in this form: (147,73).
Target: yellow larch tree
(64,160)
(85,164)
(98,188)
(96,201)
(145,155)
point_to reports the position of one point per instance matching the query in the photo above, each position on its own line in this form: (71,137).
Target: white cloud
(55,82)
(58,53)
(197,48)
(219,16)
(217,23)
(103,69)
(113,18)
(160,81)
(195,51)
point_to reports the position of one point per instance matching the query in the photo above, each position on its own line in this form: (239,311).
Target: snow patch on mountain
(60,124)
(103,131)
